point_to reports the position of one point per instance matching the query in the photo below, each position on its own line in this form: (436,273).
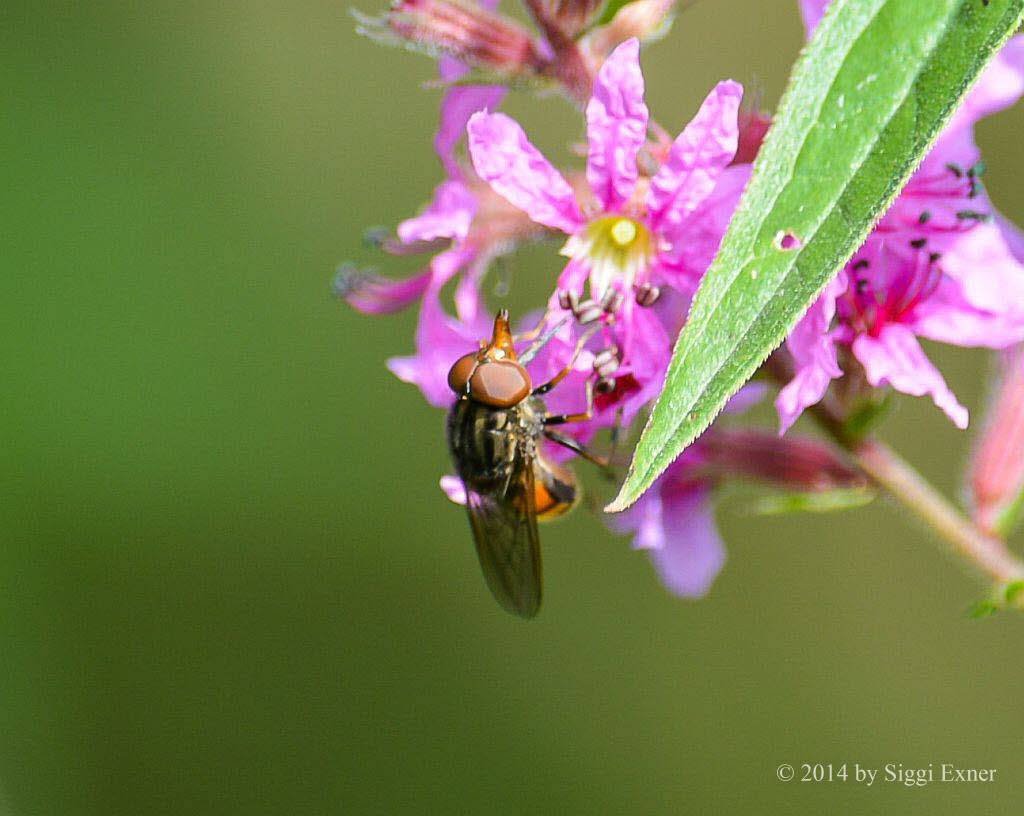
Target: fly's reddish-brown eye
(500,383)
(458,374)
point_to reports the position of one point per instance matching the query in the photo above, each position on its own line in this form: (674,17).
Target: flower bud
(791,462)
(997,471)
(468,32)
(753,126)
(570,17)
(641,18)
(368,292)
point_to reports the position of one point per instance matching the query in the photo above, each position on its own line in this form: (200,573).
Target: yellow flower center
(623,231)
(616,248)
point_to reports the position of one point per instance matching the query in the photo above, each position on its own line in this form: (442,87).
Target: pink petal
(814,353)
(807,387)
(457,106)
(645,352)
(793,463)
(616,126)
(980,259)
(467,292)
(674,521)
(451,69)
(373,294)
(645,343)
(453,488)
(698,238)
(812,11)
(948,317)
(1013,236)
(447,216)
(516,170)
(895,357)
(698,156)
(644,519)
(677,527)
(571,279)
(746,398)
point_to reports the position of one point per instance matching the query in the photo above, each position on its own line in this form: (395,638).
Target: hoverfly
(494,433)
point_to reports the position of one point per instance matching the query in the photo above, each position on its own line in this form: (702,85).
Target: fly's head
(493,375)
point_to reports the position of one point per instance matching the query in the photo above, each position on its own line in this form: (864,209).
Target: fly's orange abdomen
(554,490)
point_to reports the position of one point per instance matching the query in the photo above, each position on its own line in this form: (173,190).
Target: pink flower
(939,265)
(674,520)
(629,237)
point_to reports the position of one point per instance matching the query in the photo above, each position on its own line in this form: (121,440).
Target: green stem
(986,553)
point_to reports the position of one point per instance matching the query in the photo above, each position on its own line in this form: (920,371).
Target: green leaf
(1011,516)
(982,609)
(1012,591)
(865,416)
(864,103)
(828,501)
(611,8)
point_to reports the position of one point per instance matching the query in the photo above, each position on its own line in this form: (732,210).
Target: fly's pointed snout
(501,345)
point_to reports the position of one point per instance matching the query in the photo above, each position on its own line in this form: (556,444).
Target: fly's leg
(562,419)
(603,462)
(577,448)
(561,375)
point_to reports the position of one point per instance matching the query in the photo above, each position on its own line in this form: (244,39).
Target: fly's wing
(504,526)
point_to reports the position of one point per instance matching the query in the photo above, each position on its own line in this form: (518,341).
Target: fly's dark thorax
(485,441)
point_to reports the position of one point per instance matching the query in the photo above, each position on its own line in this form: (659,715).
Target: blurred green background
(229,583)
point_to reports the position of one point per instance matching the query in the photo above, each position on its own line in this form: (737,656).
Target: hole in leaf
(787,240)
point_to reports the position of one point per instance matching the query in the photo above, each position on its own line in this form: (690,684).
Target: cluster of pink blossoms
(941,264)
(639,228)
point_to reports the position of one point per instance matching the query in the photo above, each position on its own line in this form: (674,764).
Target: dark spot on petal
(917,243)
